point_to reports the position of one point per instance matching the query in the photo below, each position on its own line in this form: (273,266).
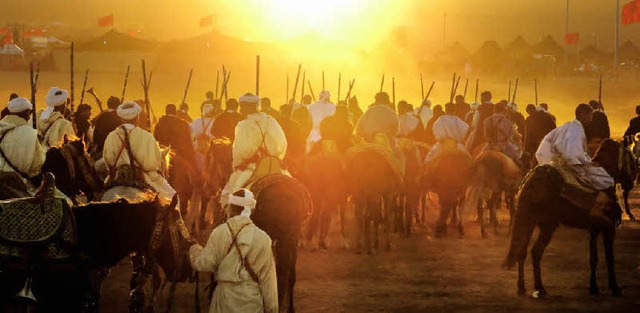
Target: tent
(629,52)
(548,46)
(113,41)
(592,54)
(518,49)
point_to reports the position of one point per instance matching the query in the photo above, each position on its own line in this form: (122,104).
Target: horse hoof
(537,294)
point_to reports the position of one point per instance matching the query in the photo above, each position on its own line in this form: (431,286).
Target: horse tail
(519,238)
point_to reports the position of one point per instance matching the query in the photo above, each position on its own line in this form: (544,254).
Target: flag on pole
(631,12)
(571,38)
(206,21)
(106,21)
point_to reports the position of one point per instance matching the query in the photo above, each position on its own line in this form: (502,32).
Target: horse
(217,169)
(412,190)
(495,174)
(373,184)
(542,203)
(448,176)
(89,238)
(74,171)
(323,172)
(283,204)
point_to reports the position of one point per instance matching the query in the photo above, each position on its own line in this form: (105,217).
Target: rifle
(257,75)
(217,81)
(393,90)
(225,81)
(226,87)
(34,89)
(455,89)
(515,91)
(429,92)
(339,84)
(476,97)
(286,100)
(535,84)
(98,101)
(126,80)
(453,85)
(145,87)
(421,86)
(382,83)
(311,90)
(186,89)
(295,86)
(350,89)
(304,79)
(71,65)
(466,84)
(600,93)
(509,94)
(84,86)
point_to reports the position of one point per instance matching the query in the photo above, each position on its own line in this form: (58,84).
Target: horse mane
(608,155)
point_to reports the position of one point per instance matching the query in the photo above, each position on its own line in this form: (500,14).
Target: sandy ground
(424,274)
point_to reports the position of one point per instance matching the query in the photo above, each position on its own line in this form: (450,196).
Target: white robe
(448,127)
(569,144)
(146,153)
(425,114)
(318,111)
(248,140)
(21,146)
(199,127)
(236,290)
(54,130)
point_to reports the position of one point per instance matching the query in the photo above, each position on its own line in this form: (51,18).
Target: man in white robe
(568,144)
(408,120)
(53,128)
(424,112)
(147,156)
(201,129)
(240,256)
(258,137)
(449,127)
(320,110)
(19,143)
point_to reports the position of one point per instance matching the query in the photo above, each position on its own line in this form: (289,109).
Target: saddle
(381,144)
(41,226)
(128,175)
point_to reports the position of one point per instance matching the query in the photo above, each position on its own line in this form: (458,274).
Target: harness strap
(243,259)
(6,160)
(46,131)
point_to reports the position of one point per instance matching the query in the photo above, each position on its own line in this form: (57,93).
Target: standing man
(53,128)
(320,110)
(20,150)
(241,258)
(259,147)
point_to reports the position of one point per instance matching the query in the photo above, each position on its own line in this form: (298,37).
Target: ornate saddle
(42,225)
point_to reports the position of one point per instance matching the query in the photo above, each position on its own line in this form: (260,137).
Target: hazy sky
(468,21)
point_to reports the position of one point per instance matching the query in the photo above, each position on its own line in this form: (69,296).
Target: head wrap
(18,105)
(540,109)
(247,202)
(249,98)
(55,97)
(475,106)
(206,109)
(324,96)
(512,106)
(426,102)
(128,110)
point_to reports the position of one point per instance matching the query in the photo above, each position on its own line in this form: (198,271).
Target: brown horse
(541,204)
(217,169)
(412,188)
(373,185)
(448,177)
(283,204)
(324,174)
(496,174)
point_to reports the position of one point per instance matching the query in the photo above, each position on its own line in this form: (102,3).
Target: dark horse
(324,174)
(74,172)
(283,204)
(104,234)
(540,203)
(448,177)
(217,168)
(373,185)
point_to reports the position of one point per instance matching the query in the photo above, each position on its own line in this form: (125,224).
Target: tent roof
(591,52)
(548,46)
(629,51)
(116,41)
(489,50)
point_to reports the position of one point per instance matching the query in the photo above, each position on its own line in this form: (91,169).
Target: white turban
(475,106)
(55,97)
(325,96)
(540,109)
(426,102)
(18,105)
(247,202)
(128,110)
(206,109)
(512,106)
(249,98)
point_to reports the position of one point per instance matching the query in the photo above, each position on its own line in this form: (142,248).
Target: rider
(320,110)
(146,156)
(20,150)
(379,119)
(568,143)
(52,125)
(103,125)
(260,146)
(485,109)
(500,133)
(449,128)
(224,126)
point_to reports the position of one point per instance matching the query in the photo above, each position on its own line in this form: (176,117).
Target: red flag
(106,21)
(206,21)
(631,12)
(4,30)
(6,39)
(571,38)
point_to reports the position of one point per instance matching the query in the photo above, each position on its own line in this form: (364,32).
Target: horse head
(617,159)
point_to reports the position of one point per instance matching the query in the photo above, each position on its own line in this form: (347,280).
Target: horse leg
(608,238)
(325,223)
(625,196)
(494,205)
(546,233)
(314,221)
(387,214)
(342,208)
(441,227)
(593,261)
(522,290)
(481,205)
(204,204)
(137,292)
